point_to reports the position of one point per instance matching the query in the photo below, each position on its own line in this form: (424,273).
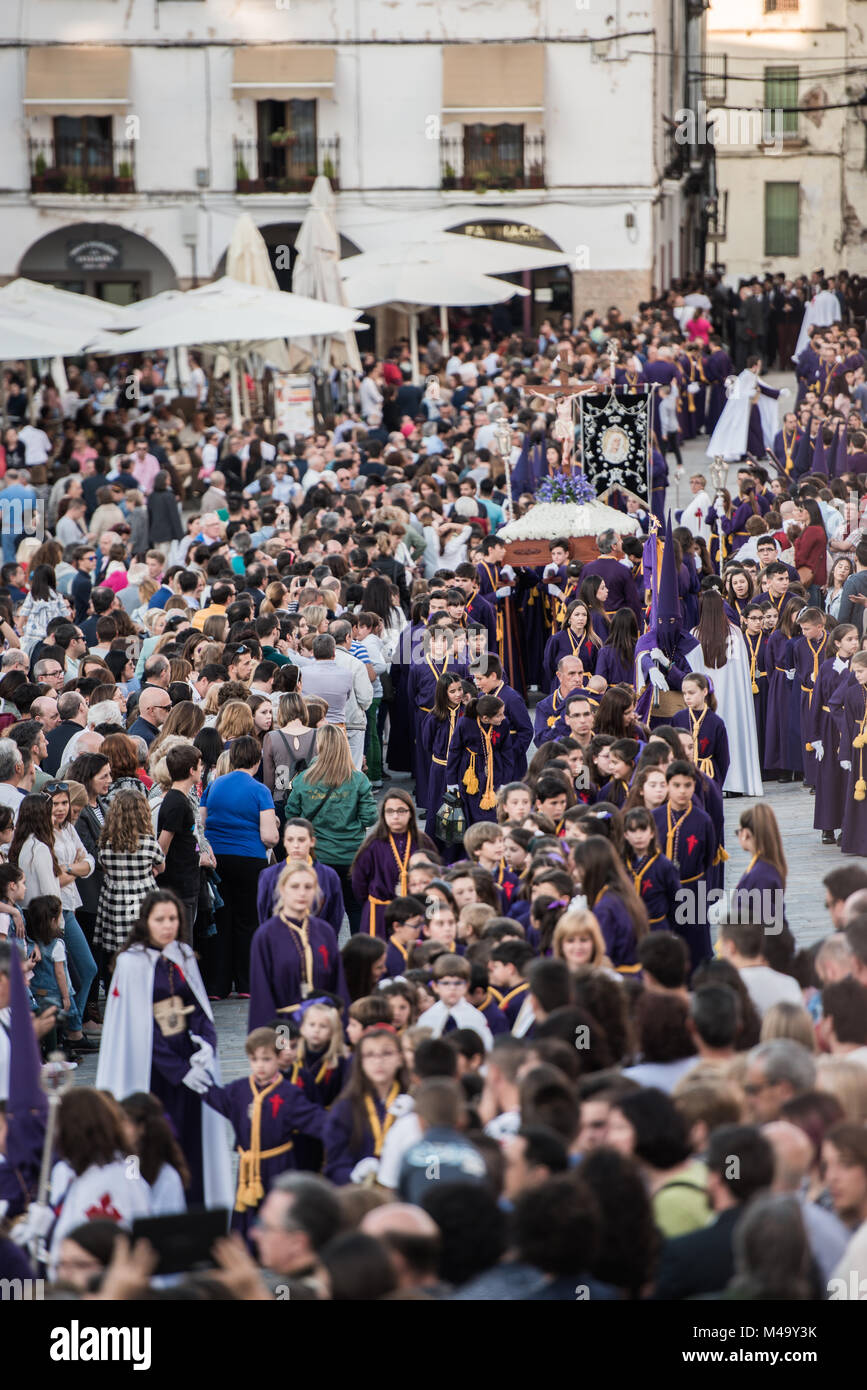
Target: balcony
(483,164)
(288,165)
(80,166)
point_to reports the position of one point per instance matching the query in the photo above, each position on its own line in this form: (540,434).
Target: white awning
(493,82)
(75,81)
(280,71)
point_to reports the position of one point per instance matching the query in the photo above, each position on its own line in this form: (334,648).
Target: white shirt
(767,987)
(464,1015)
(400,1138)
(10,796)
(37,445)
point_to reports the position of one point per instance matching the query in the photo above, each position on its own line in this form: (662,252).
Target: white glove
(785,392)
(846,766)
(555,591)
(364,1169)
(402,1105)
(505,592)
(453,788)
(35,1226)
(205,1055)
(659,655)
(819,750)
(548,571)
(693,388)
(790,675)
(507,572)
(657,679)
(198,1081)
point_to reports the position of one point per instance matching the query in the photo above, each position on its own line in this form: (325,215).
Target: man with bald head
(622,589)
(153,710)
(793,1160)
(570,674)
(412,1239)
(44,709)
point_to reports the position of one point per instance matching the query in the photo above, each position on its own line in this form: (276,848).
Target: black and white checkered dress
(128,879)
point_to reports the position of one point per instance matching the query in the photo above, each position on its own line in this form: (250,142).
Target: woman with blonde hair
(180,670)
(287,748)
(316,617)
(294,953)
(787,1020)
(216,628)
(235,720)
(128,855)
(275,598)
(847,1082)
(184,720)
(578,941)
(338,799)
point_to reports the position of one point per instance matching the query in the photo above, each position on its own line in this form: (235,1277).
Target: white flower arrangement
(549,520)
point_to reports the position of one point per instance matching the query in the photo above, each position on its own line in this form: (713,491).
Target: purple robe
(517,732)
(806,660)
(342,1153)
(421,689)
(776,727)
(622,591)
(693,847)
(848,705)
(467,742)
(717,367)
(562,644)
(493,1015)
(763,878)
(821,728)
(548,713)
(611,665)
(657,884)
(677,645)
(331,909)
(169,1065)
(757,650)
(376,876)
(508,637)
(283,1110)
(480,613)
(713,742)
(617,929)
(277,968)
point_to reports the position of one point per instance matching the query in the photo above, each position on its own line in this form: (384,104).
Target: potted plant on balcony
(124,181)
(449,180)
(242,177)
(38,177)
(328,170)
(282,136)
(481,181)
(76,184)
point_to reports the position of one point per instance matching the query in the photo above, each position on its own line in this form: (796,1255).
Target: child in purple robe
(765,875)
(320,1069)
(481,996)
(477,764)
(496,581)
(577,638)
(757,643)
(822,732)
(710,743)
(434,662)
(654,877)
(359,1120)
(264,1109)
(779,756)
(616,659)
(293,954)
(848,707)
(299,842)
(381,866)
(506,969)
(404,919)
(688,839)
(612,899)
(436,735)
(807,653)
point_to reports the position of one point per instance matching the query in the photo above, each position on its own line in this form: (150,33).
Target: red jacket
(811,551)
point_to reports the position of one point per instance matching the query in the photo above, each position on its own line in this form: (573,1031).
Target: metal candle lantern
(503,436)
(719,477)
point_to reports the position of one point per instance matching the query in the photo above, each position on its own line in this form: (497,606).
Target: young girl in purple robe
(759,836)
(477,763)
(320,1069)
(612,899)
(616,659)
(756,640)
(710,744)
(848,707)
(822,732)
(578,638)
(655,879)
(360,1119)
(782,739)
(594,592)
(294,954)
(380,869)
(437,733)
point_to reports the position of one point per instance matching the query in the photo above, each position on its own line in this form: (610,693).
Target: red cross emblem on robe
(323,951)
(691,842)
(276,1102)
(104,1211)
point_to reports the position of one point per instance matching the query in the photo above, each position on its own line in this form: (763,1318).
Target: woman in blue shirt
(241,828)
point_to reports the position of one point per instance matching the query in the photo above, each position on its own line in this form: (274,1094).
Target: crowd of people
(280,723)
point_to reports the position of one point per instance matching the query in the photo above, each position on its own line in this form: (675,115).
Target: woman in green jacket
(339,802)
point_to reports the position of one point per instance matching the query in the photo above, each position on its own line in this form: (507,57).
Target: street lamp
(719,477)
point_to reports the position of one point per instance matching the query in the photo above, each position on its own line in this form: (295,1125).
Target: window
(494,150)
(287,139)
(82,145)
(781,94)
(782,218)
(779,6)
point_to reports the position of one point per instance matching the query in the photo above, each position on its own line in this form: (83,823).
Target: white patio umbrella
(317,274)
(40,303)
(224,314)
(247,261)
(411,288)
(28,340)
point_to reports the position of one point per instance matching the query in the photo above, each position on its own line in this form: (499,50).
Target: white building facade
(782,80)
(137,132)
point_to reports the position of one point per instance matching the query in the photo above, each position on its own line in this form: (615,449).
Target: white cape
(693,516)
(734,699)
(108,1192)
(821,312)
(126,1046)
(732,428)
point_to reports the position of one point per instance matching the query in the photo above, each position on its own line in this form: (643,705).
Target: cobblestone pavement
(808,859)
